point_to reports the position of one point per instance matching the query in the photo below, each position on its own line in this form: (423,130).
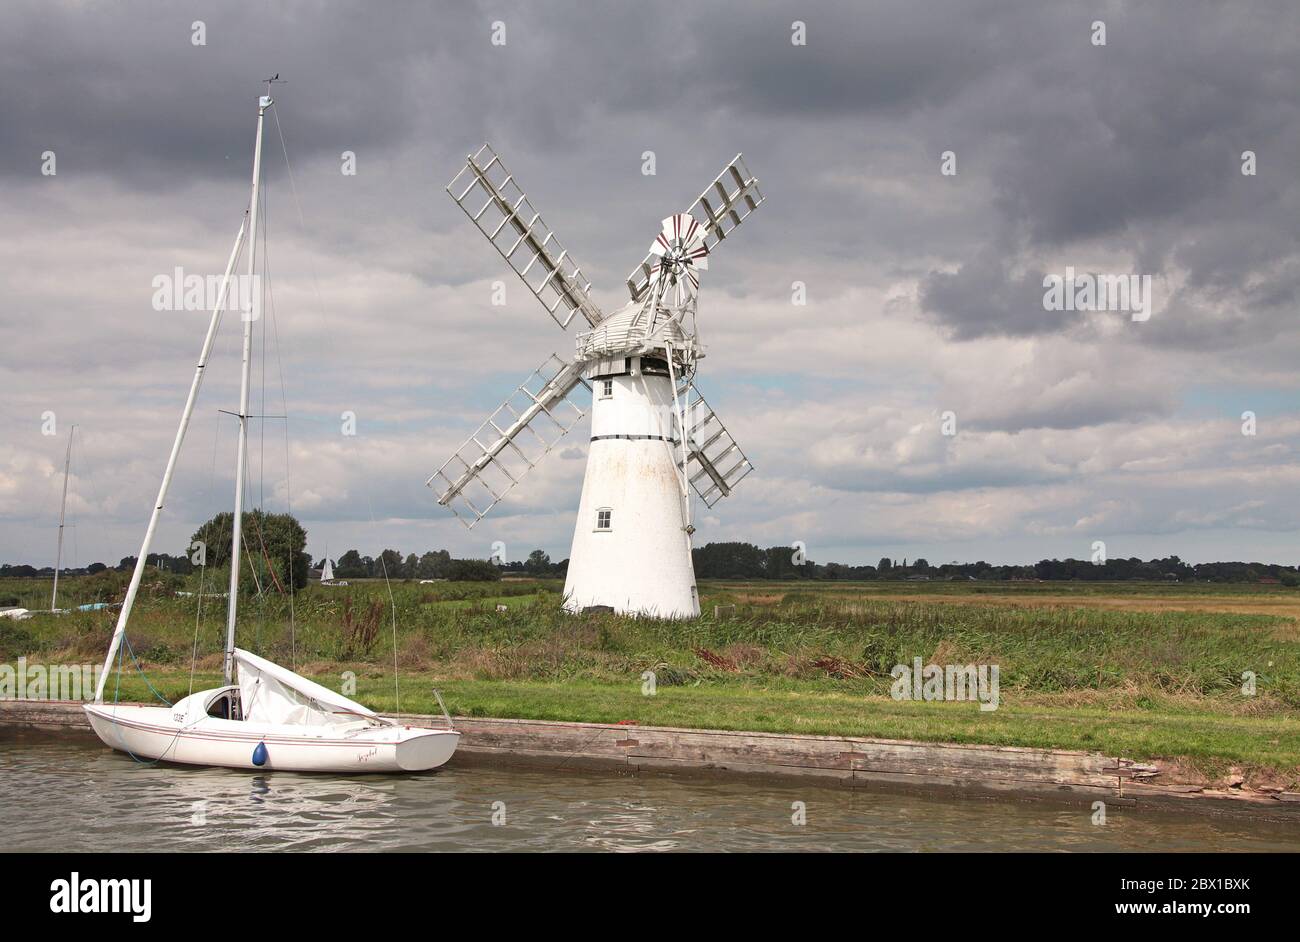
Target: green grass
(791,658)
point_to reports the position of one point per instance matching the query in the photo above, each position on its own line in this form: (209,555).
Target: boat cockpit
(225,704)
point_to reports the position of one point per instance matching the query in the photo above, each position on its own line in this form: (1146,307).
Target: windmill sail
(724,205)
(489,195)
(519,434)
(714,462)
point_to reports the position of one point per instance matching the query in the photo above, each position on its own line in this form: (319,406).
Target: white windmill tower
(653,437)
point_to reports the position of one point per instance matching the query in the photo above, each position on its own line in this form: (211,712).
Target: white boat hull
(157,733)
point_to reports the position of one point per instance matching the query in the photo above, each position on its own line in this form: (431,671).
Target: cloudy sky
(924,289)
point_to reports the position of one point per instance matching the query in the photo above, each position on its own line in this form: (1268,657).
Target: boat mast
(195,385)
(63,506)
(242,458)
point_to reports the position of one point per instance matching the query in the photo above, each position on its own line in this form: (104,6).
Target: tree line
(276,551)
(439,564)
(747,561)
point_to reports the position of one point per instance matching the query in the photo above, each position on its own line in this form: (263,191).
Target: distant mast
(63,506)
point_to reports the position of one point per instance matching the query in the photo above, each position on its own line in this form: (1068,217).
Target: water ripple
(62,796)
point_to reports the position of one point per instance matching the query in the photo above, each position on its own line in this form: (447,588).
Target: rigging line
(252,569)
(243,532)
(397,695)
(212,473)
(266,277)
(302,220)
(392,602)
(288,490)
(315,287)
(265,554)
(256,515)
(116,696)
(203,569)
(143,675)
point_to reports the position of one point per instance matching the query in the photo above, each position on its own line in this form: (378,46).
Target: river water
(79,796)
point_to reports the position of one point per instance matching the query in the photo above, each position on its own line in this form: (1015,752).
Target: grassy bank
(1143,671)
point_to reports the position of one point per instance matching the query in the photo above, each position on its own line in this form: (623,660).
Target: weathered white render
(631,547)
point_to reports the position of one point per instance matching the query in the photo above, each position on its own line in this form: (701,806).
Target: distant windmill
(653,437)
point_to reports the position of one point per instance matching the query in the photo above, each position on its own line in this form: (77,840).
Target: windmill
(653,437)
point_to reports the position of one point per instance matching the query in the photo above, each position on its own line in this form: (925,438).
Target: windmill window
(603,516)
(606,388)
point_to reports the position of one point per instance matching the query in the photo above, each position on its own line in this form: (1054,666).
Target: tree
(885,564)
(472,570)
(276,544)
(729,561)
(350,566)
(94,568)
(778,563)
(433,565)
(389,564)
(538,563)
(411,566)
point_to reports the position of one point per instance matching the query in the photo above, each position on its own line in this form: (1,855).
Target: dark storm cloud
(890,58)
(1073,141)
(120,90)
(1139,143)
(982,297)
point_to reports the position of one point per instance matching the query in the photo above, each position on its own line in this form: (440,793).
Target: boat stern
(425,749)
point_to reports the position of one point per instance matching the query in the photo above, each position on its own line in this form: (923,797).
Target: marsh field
(1143,670)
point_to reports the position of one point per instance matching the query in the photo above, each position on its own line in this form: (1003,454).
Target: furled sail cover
(269,693)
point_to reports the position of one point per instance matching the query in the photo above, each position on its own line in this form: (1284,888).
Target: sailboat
(327,574)
(264,716)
